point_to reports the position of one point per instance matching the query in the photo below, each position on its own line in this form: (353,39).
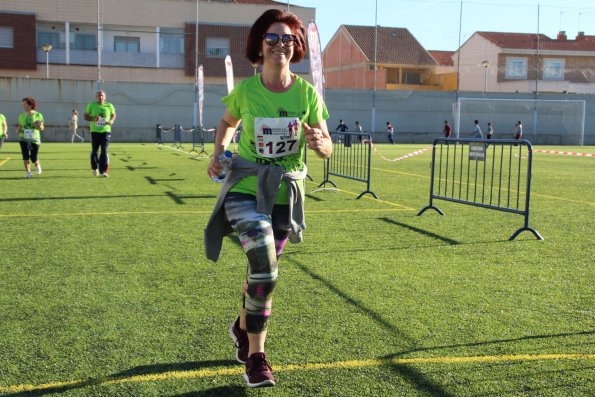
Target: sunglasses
(273,38)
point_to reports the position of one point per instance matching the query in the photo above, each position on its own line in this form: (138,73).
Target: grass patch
(105,289)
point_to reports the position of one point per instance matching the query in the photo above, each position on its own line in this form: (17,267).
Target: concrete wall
(417,116)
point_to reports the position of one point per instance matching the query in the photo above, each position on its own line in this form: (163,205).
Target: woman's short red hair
(264,22)
(30,101)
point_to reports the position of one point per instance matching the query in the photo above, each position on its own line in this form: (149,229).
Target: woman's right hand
(215,167)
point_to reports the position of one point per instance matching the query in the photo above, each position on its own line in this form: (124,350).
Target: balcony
(110,58)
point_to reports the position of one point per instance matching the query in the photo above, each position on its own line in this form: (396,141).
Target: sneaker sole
(235,342)
(264,383)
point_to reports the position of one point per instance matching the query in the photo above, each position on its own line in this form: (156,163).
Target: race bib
(100,122)
(277,137)
(29,134)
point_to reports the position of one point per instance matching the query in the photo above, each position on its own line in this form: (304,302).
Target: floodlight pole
(535,118)
(373,126)
(195,107)
(47,48)
(458,119)
(99,45)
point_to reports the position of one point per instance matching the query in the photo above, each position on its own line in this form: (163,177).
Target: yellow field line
(562,199)
(362,210)
(4,161)
(209,373)
(113,213)
(504,189)
(102,214)
(403,207)
(401,172)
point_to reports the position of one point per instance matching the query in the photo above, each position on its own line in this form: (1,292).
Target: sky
(435,23)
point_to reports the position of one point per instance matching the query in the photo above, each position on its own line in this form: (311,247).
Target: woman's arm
(40,125)
(225,130)
(319,139)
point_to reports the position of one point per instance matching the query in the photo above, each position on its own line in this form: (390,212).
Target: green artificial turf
(105,290)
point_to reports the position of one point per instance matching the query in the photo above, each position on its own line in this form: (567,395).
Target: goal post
(545,121)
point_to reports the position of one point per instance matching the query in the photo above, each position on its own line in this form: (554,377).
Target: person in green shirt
(102,115)
(3,130)
(29,134)
(281,116)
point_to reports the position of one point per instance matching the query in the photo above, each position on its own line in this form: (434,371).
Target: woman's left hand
(317,140)
(314,137)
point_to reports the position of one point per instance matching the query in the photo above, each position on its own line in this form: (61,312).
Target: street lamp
(485,65)
(47,48)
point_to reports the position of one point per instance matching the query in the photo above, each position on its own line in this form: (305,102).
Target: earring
(260,54)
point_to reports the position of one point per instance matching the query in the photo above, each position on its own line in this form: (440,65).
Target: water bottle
(225,161)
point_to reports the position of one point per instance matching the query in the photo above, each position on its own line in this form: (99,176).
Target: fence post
(193,132)
(349,161)
(158,138)
(177,136)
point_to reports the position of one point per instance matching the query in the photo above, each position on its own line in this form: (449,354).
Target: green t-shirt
(29,131)
(104,111)
(3,132)
(272,130)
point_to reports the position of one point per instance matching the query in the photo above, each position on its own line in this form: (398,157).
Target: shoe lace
(260,364)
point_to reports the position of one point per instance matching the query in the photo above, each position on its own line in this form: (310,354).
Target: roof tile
(395,45)
(444,58)
(529,41)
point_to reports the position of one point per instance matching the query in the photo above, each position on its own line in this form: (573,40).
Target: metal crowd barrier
(483,173)
(177,137)
(350,159)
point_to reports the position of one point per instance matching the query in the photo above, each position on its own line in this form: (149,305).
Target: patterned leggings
(263,240)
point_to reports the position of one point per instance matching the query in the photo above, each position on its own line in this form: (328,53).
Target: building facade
(363,57)
(527,63)
(130,40)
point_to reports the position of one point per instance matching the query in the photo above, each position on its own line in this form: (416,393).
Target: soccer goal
(545,122)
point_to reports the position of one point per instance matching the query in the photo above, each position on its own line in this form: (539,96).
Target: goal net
(545,122)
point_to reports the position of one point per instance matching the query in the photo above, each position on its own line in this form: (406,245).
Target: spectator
(446,130)
(346,137)
(73,124)
(490,130)
(342,127)
(518,130)
(477,130)
(360,130)
(391,132)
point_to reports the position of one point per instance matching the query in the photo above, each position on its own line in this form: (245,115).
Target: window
(6,37)
(411,78)
(82,41)
(553,69)
(126,44)
(171,42)
(217,47)
(52,38)
(516,68)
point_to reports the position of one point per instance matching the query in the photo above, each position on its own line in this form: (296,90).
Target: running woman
(102,115)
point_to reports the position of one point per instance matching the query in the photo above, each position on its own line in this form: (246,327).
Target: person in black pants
(102,115)
(343,128)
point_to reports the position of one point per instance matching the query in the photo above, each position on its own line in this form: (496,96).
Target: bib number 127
(280,147)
